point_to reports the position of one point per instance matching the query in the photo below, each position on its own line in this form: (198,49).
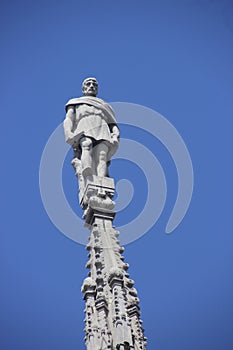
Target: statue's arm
(68,124)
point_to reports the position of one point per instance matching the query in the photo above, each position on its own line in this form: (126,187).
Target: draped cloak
(93,118)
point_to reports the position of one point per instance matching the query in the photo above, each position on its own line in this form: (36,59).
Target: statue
(90,128)
(112,311)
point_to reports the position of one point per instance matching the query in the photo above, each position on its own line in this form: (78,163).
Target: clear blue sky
(173,56)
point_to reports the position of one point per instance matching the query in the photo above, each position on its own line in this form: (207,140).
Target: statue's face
(90,87)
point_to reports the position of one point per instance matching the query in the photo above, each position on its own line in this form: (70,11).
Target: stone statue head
(90,87)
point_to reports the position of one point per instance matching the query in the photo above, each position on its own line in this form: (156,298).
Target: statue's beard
(91,93)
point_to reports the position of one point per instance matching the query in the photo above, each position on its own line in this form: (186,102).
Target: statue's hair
(87,79)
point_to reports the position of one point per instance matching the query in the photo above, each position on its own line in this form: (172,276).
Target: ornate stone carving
(112,306)
(88,285)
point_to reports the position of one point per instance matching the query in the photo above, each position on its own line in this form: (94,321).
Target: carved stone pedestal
(98,192)
(112,311)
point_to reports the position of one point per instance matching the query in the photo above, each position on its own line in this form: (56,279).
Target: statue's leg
(86,156)
(101,151)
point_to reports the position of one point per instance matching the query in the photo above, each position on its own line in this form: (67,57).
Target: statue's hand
(114,139)
(77,166)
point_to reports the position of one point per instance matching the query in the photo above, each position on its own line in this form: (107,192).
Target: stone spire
(112,310)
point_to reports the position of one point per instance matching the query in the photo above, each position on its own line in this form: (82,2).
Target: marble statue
(90,128)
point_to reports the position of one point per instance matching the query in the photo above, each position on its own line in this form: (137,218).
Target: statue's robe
(93,118)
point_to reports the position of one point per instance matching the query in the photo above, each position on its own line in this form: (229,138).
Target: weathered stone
(112,306)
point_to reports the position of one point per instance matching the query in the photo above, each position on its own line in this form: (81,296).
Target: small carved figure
(90,128)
